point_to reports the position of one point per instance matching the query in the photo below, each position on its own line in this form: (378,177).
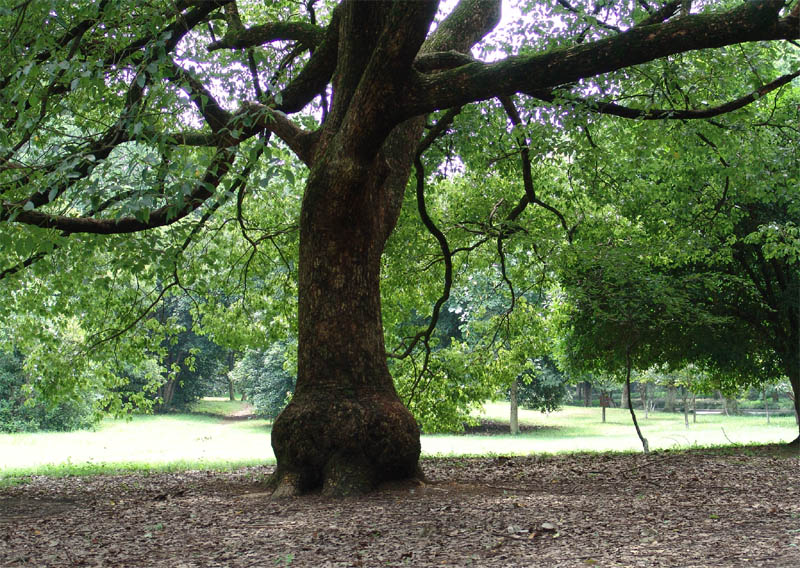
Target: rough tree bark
(346,429)
(793,372)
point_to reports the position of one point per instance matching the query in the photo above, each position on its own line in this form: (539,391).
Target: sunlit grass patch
(581,429)
(176,442)
(149,441)
(219,406)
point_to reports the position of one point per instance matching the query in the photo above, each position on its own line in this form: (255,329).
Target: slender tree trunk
(605,398)
(231,386)
(645,444)
(514,407)
(694,408)
(685,408)
(623,403)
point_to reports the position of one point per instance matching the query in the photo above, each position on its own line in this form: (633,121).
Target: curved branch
(661,114)
(527,176)
(447,255)
(173,33)
(261,117)
(504,275)
(160,217)
(664,13)
(215,116)
(755,20)
(589,17)
(316,74)
(98,339)
(75,32)
(307,34)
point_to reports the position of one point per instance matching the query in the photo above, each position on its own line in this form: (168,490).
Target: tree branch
(441,239)
(661,114)
(664,13)
(527,176)
(160,217)
(215,116)
(752,21)
(261,117)
(316,74)
(309,35)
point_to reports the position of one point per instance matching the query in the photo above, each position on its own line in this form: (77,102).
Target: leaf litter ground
(716,508)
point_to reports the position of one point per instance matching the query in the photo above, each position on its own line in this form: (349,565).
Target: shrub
(23,411)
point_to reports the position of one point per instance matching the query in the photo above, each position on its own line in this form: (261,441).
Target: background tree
(139,149)
(266,378)
(22,411)
(697,264)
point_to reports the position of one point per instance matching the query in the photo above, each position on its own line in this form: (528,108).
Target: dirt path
(247,412)
(668,509)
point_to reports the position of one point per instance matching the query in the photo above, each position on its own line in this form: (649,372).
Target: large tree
(124,118)
(692,257)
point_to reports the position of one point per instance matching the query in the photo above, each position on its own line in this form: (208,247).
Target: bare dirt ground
(699,508)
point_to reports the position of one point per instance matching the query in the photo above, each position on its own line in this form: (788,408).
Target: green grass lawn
(220,406)
(581,429)
(157,442)
(203,441)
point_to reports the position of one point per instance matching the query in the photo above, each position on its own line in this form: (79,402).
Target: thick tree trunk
(793,371)
(345,429)
(166,393)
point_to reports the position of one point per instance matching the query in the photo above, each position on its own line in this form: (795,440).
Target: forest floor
(735,507)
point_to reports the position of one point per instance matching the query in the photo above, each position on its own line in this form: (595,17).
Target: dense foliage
(22,411)
(266,378)
(620,190)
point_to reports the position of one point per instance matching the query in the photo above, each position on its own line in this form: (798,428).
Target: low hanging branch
(160,217)
(527,175)
(674,114)
(447,255)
